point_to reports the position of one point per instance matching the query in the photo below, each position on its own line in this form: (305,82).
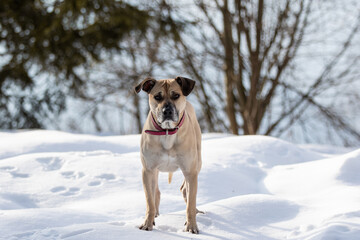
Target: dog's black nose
(167,111)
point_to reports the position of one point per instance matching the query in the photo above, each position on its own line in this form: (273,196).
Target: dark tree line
(56,41)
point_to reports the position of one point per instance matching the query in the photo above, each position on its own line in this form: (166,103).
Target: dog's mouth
(168,124)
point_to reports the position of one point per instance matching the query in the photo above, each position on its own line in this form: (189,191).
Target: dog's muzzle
(168,112)
(167,116)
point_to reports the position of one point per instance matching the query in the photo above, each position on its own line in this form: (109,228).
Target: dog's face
(167,98)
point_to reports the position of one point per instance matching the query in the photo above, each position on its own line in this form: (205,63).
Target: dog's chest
(168,142)
(168,157)
(168,162)
(162,154)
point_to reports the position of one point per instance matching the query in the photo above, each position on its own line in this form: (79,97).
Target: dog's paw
(146,226)
(199,211)
(191,227)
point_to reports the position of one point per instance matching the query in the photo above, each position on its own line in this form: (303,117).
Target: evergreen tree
(54,40)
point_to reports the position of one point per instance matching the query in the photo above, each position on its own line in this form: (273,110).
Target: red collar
(164,131)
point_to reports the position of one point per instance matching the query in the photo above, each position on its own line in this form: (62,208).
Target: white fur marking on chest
(168,163)
(168,141)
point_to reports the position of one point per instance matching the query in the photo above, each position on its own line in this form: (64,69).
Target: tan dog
(171,139)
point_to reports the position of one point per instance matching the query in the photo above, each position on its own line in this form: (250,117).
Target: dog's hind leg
(183,191)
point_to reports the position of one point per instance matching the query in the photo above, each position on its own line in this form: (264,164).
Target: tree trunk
(229,68)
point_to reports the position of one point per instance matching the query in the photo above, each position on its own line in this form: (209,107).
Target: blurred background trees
(284,66)
(55,41)
(289,69)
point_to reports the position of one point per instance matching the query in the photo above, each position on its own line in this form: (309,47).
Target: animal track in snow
(8,168)
(94,183)
(13,172)
(50,163)
(107,176)
(72,174)
(65,191)
(19,175)
(103,177)
(58,189)
(71,191)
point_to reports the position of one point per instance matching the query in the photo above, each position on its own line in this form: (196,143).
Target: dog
(171,139)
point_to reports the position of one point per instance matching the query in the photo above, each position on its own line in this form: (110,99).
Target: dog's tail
(170,177)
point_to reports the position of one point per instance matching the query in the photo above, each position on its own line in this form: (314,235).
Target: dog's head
(167,98)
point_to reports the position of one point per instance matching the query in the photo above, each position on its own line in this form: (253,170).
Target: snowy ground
(56,185)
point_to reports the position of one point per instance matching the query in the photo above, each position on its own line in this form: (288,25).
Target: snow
(57,185)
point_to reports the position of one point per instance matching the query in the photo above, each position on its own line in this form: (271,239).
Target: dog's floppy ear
(147,84)
(186,84)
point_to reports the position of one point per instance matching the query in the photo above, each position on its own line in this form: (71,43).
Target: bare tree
(256,48)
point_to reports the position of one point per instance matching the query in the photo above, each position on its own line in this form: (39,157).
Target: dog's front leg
(191,185)
(149,184)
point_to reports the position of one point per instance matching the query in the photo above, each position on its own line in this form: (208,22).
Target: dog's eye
(175,96)
(158,97)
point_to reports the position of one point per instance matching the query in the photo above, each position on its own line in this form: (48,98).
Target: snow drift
(56,185)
